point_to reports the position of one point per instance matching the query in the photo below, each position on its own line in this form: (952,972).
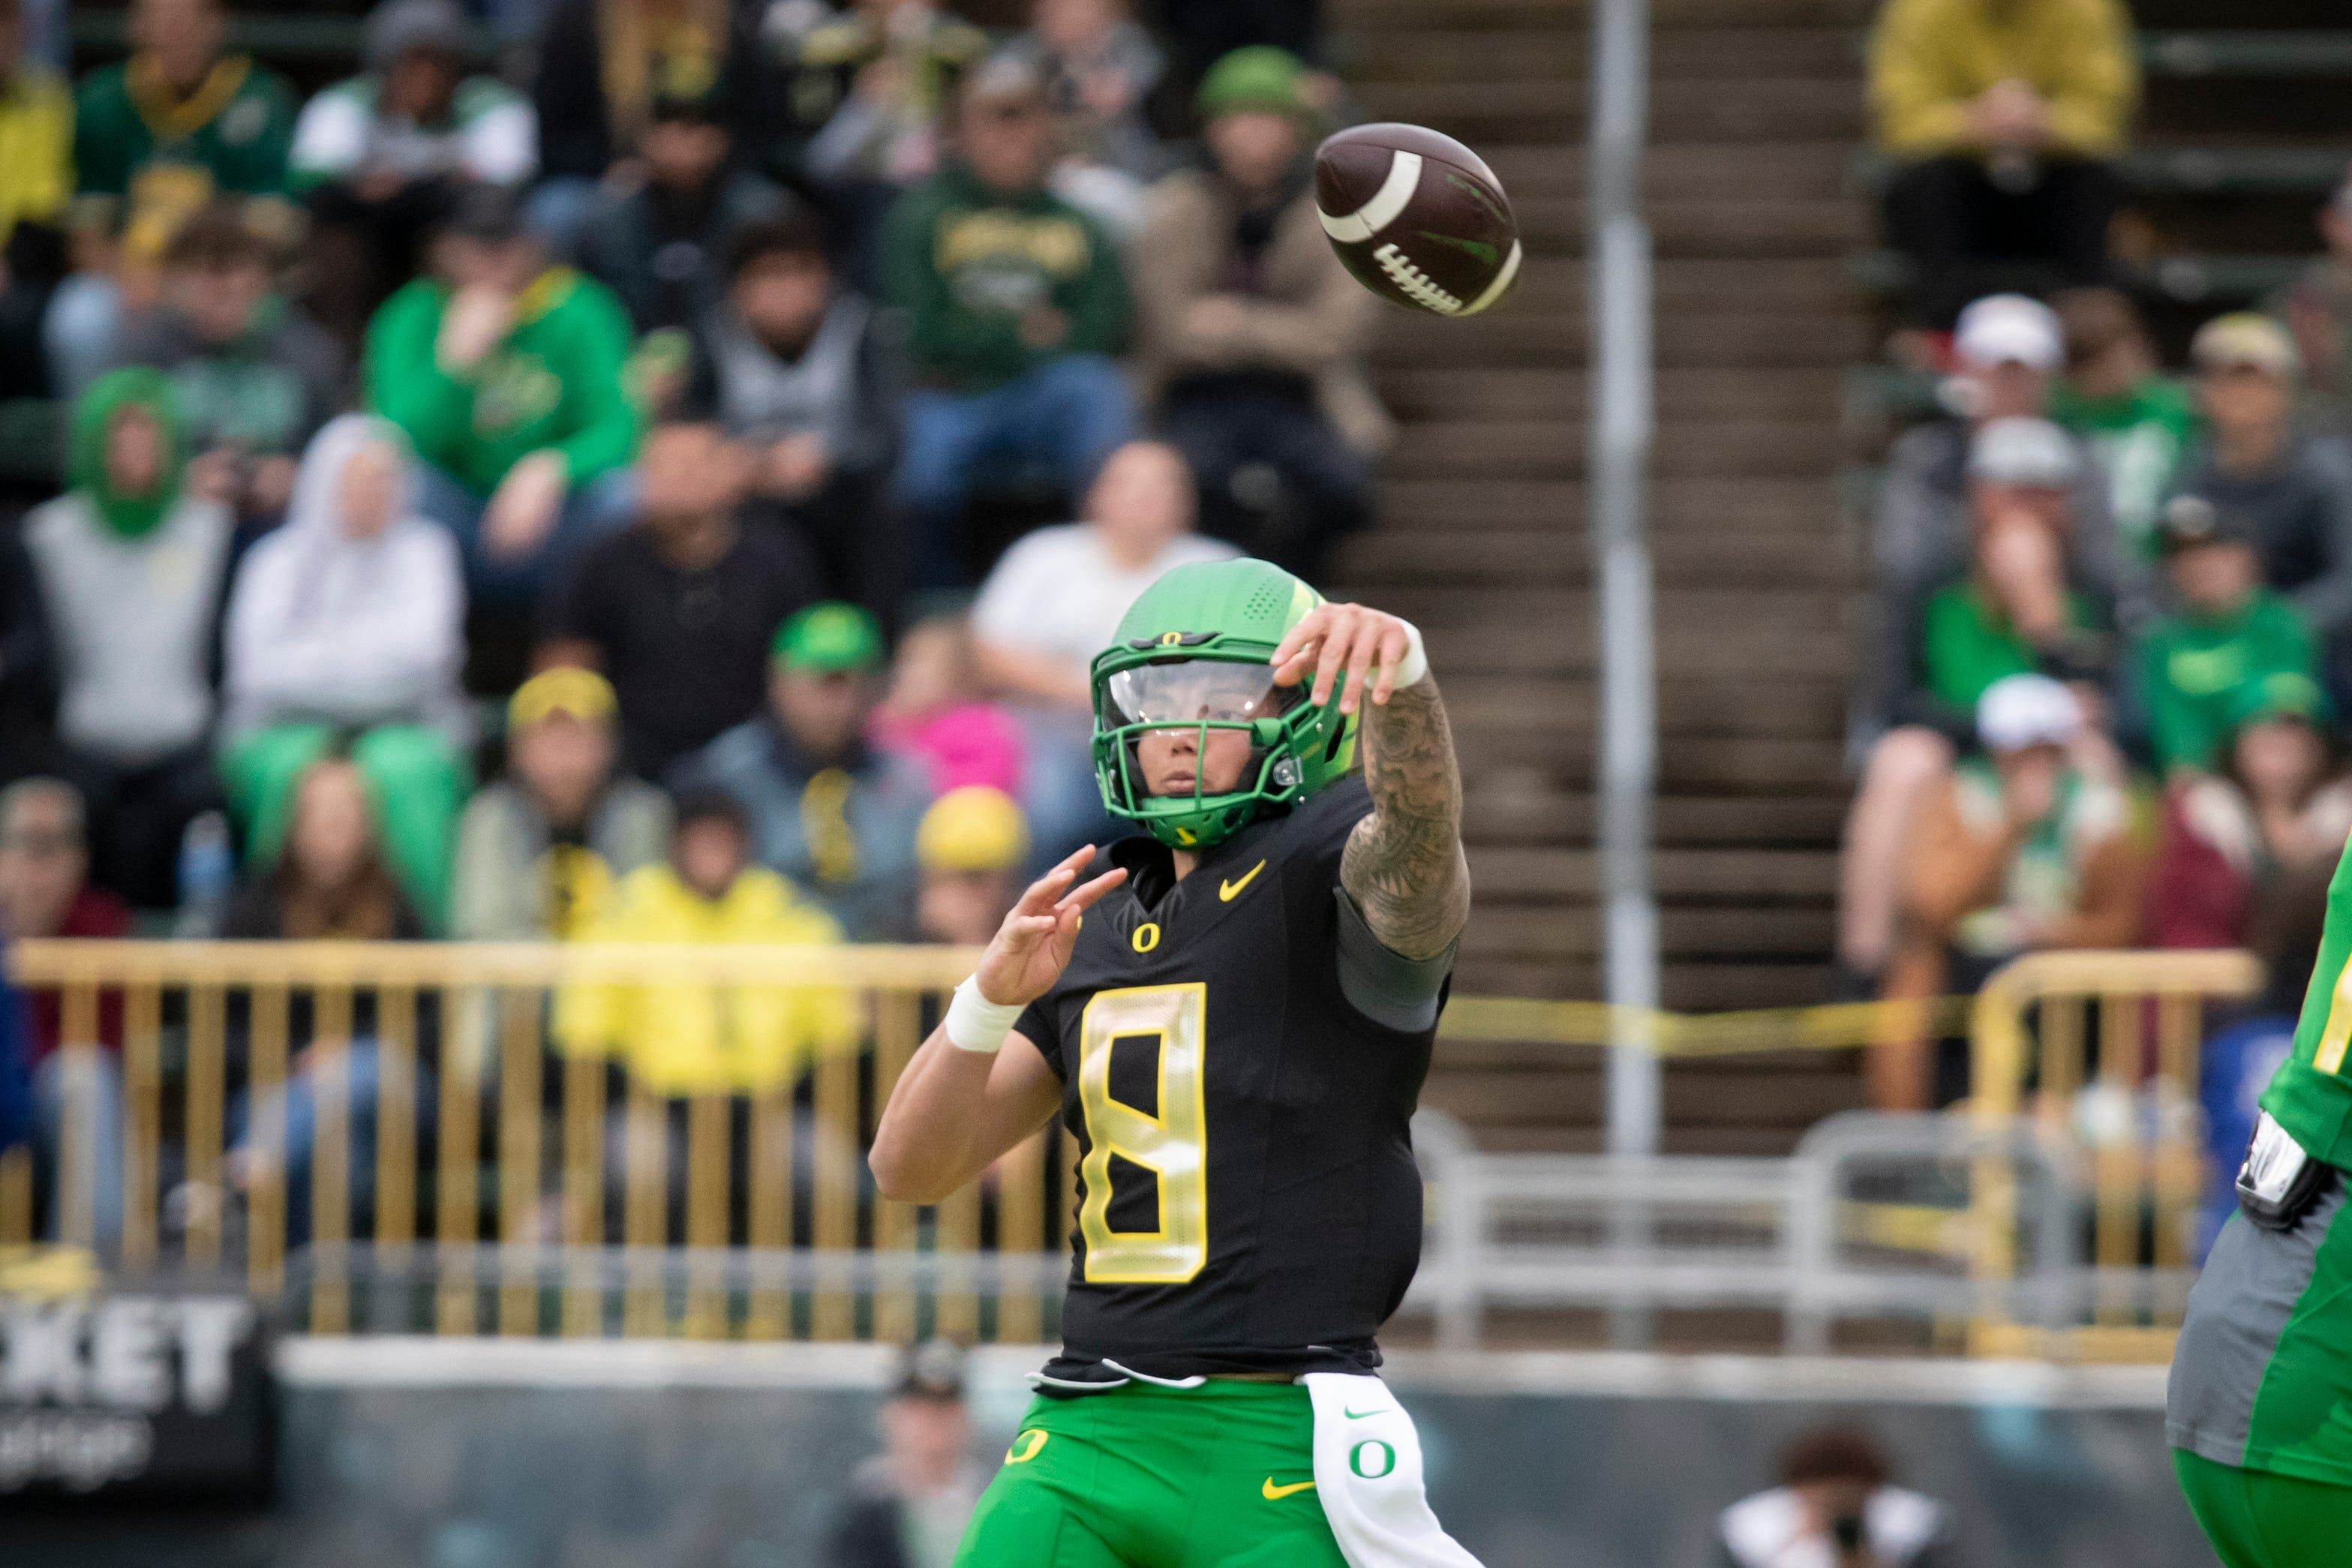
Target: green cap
(1260,77)
(828,638)
(2287,694)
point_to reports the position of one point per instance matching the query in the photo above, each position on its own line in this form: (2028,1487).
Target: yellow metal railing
(2102,1049)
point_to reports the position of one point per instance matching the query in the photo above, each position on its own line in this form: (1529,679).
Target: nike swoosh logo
(1364,1415)
(1228,891)
(1275,1494)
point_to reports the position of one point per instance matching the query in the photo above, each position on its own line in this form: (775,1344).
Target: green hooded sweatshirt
(127,516)
(555,383)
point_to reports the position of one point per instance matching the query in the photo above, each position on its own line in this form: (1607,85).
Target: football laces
(1413,283)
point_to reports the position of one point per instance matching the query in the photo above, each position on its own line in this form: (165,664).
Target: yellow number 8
(1172,1145)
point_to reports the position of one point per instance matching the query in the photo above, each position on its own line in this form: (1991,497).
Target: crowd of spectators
(643,470)
(2112,651)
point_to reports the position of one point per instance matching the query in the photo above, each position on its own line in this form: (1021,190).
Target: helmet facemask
(1205,693)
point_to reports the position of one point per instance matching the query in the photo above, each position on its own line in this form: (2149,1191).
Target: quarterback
(1234,1021)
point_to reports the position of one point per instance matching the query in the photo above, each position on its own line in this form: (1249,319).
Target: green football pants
(1222,1475)
(2256,1519)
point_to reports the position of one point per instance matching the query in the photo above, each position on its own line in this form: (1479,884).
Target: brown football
(1418,218)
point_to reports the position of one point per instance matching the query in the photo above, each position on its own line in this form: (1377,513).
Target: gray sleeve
(1395,992)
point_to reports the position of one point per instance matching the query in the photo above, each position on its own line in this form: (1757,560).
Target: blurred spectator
(1835,1508)
(2137,422)
(658,245)
(796,369)
(679,611)
(2022,850)
(506,372)
(380,157)
(346,628)
(934,713)
(2004,119)
(909,1505)
(2317,308)
(2005,351)
(2292,491)
(36,175)
(255,377)
(155,138)
(328,883)
(602,65)
(1254,336)
(2227,632)
(131,564)
(45,892)
(2013,608)
(540,850)
(686,1036)
(1016,304)
(972,846)
(2276,806)
(827,809)
(1100,66)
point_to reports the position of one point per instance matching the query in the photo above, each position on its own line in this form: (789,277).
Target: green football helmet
(1194,652)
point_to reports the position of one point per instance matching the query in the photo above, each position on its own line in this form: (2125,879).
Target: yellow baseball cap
(974,828)
(580,694)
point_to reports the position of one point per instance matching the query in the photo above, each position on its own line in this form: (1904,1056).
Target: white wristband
(976,1024)
(1415,663)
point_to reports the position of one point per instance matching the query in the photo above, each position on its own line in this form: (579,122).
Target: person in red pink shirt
(44,892)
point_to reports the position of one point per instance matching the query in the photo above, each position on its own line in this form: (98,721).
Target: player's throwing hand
(1028,953)
(1351,641)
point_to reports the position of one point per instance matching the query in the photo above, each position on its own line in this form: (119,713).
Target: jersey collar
(1150,866)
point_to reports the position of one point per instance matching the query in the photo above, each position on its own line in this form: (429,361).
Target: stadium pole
(1626,762)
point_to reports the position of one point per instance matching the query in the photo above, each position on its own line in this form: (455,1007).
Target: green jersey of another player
(1236,1034)
(2260,1412)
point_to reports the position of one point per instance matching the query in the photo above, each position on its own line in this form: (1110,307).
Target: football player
(1235,1020)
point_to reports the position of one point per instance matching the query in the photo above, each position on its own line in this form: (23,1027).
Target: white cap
(2023,450)
(2021,710)
(2008,329)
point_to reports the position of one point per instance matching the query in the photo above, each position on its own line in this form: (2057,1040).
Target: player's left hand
(1343,643)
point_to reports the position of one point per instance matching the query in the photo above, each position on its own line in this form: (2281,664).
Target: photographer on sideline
(1834,1508)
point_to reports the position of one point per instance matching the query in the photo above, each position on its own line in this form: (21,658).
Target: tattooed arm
(1403,864)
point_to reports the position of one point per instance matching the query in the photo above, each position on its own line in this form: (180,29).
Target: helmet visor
(1193,692)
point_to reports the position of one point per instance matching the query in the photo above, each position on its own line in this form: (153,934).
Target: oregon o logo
(1385,1459)
(1026,1446)
(1146,937)
(1169,639)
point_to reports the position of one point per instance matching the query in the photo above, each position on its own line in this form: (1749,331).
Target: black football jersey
(1247,1197)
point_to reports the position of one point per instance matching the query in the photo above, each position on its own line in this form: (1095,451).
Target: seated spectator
(1835,1508)
(2013,607)
(2276,807)
(1254,336)
(2294,490)
(255,377)
(131,564)
(2005,351)
(45,892)
(2227,632)
(603,64)
(2137,422)
(380,157)
(329,882)
(155,138)
(540,850)
(506,372)
(1100,66)
(658,245)
(686,1036)
(2022,850)
(971,847)
(2316,310)
(909,1505)
(2004,122)
(346,630)
(934,713)
(795,368)
(1016,305)
(35,179)
(679,611)
(826,809)
(1053,602)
